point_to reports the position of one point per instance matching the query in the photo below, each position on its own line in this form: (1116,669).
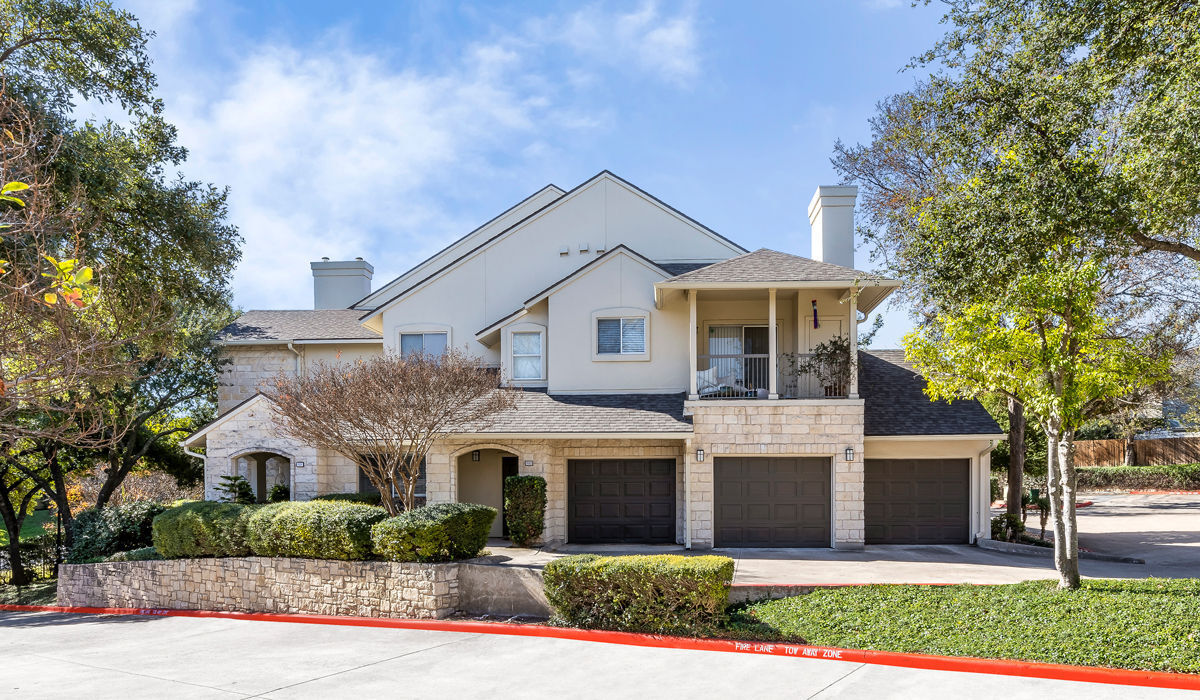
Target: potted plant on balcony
(829,362)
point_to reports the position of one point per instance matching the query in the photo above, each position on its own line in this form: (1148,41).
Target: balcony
(747,376)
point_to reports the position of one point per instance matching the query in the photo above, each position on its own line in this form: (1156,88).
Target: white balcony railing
(746,376)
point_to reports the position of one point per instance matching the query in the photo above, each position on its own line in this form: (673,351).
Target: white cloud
(332,150)
(666,47)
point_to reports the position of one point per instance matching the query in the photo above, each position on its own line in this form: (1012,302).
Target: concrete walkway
(49,655)
(1164,530)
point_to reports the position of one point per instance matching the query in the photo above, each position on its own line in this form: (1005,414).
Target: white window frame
(422,329)
(508,351)
(622,313)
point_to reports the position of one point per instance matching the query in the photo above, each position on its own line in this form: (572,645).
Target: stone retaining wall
(266,584)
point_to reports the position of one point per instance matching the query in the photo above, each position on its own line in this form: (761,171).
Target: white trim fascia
(220,420)
(925,438)
(499,325)
(767,403)
(679,435)
(808,284)
(597,263)
(598,392)
(364,304)
(571,195)
(304,341)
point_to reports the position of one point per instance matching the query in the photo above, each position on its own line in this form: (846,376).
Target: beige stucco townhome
(669,387)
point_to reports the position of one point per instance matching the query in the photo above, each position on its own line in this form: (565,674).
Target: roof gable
(501,221)
(603,176)
(255,401)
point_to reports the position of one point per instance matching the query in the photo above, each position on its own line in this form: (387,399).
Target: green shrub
(1166,477)
(441,532)
(371,499)
(313,529)
(279,492)
(236,489)
(525,508)
(1007,527)
(99,532)
(203,529)
(661,593)
(141,554)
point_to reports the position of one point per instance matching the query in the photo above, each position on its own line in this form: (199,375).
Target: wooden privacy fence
(1110,453)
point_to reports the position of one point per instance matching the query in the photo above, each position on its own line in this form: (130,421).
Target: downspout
(292,347)
(985,486)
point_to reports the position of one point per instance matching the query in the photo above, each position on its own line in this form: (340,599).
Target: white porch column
(853,304)
(773,363)
(692,344)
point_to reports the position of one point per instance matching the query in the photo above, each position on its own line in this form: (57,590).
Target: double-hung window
(422,344)
(527,354)
(621,336)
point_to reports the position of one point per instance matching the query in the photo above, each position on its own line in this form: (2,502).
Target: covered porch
(769,325)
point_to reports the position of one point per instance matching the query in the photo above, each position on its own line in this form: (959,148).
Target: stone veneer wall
(266,584)
(549,459)
(777,428)
(253,430)
(251,366)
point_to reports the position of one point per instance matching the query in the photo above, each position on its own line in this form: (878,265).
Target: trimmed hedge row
(98,533)
(371,499)
(313,529)
(525,508)
(141,554)
(441,532)
(321,530)
(1167,477)
(661,594)
(203,529)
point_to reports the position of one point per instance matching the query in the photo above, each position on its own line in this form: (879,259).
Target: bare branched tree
(386,412)
(61,337)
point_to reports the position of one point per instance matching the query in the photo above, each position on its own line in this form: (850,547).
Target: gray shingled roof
(896,403)
(539,412)
(765,265)
(681,268)
(282,326)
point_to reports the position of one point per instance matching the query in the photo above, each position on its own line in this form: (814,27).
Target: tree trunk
(12,525)
(1016,455)
(1062,504)
(114,475)
(1129,453)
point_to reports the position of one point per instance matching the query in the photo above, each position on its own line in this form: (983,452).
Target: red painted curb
(1164,493)
(965,664)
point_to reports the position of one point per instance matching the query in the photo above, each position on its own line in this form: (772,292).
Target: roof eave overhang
(651,435)
(808,284)
(954,436)
(300,341)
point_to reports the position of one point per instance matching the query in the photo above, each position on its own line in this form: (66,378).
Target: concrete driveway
(1164,530)
(48,655)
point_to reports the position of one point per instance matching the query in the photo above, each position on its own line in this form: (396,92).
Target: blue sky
(387,129)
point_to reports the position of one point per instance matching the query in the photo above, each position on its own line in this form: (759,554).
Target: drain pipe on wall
(984,487)
(292,347)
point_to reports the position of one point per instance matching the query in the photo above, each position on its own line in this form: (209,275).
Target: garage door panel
(621,501)
(772,501)
(916,501)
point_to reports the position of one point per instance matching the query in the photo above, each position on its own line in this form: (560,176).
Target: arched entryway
(481,473)
(264,470)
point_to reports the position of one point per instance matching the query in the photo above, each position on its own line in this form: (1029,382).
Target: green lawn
(1152,624)
(32,527)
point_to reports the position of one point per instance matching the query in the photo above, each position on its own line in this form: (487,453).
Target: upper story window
(621,336)
(422,343)
(527,355)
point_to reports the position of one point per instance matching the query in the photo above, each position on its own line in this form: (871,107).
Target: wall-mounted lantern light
(475,456)
(699,455)
(849,454)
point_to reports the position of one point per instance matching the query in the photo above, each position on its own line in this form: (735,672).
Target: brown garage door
(621,500)
(772,501)
(917,501)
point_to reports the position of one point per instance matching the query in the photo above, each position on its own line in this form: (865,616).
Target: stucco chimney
(831,213)
(339,283)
